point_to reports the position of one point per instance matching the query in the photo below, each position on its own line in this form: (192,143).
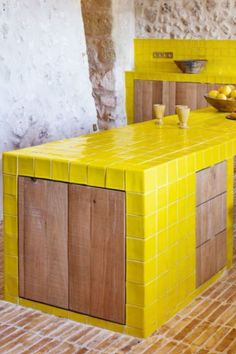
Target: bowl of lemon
(223,99)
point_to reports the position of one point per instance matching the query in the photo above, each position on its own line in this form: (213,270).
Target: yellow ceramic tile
(162,196)
(11,266)
(12,299)
(36,305)
(10,185)
(43,168)
(162,219)
(163,262)
(10,204)
(140,295)
(9,163)
(141,250)
(26,165)
(97,175)
(141,226)
(60,170)
(105,324)
(139,181)
(11,286)
(162,175)
(141,272)
(141,204)
(10,225)
(135,332)
(115,177)
(172,216)
(78,172)
(10,245)
(140,317)
(172,171)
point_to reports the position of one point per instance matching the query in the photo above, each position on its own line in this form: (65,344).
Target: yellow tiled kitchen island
(156,168)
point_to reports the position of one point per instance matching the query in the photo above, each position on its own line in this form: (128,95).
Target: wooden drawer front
(211,219)
(220,250)
(43,228)
(206,261)
(211,182)
(97,252)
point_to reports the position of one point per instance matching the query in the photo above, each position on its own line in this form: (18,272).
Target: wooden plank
(138,101)
(211,182)
(172,97)
(220,240)
(186,94)
(211,219)
(157,94)
(97,252)
(147,110)
(206,262)
(43,230)
(202,90)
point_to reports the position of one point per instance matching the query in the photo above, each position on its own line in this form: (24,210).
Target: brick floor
(207,325)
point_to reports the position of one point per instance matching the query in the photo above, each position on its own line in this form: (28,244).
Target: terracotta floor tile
(232,348)
(216,338)
(227,341)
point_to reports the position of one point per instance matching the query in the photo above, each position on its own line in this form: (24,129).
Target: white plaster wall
(199,19)
(123,36)
(45,92)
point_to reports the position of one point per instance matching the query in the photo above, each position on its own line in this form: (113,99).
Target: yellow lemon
(213,93)
(232,87)
(221,96)
(226,90)
(233,94)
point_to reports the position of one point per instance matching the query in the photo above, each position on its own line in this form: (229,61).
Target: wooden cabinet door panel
(206,265)
(145,93)
(211,182)
(186,94)
(211,218)
(97,252)
(220,250)
(43,231)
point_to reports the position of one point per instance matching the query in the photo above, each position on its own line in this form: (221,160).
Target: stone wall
(198,19)
(110,30)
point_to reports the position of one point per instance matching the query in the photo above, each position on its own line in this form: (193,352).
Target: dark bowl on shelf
(222,105)
(191,66)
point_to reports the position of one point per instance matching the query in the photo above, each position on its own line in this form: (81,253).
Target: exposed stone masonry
(203,19)
(97,16)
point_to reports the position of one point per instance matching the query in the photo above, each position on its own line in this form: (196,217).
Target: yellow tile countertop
(156,167)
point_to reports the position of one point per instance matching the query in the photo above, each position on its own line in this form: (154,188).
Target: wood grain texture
(211,182)
(221,241)
(170,93)
(211,219)
(186,94)
(143,100)
(97,252)
(43,231)
(206,262)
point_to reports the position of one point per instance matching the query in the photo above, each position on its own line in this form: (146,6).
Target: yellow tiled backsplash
(221,54)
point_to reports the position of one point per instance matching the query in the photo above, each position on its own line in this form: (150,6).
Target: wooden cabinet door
(211,218)
(211,182)
(43,246)
(206,261)
(211,221)
(191,94)
(97,252)
(147,93)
